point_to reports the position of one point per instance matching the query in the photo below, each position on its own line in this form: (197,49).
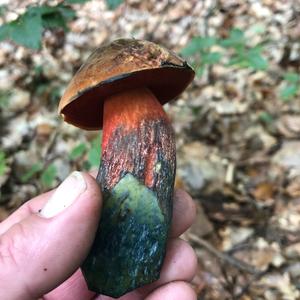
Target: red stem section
(138,139)
(129,109)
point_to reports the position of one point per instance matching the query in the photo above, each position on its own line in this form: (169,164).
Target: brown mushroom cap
(123,64)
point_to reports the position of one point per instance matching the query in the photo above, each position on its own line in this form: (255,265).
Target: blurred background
(237,125)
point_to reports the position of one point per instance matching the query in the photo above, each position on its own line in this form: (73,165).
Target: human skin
(41,252)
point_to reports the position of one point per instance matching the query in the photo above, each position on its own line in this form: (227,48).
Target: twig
(224,257)
(50,143)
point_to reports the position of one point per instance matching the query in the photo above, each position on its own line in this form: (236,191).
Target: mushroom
(121,89)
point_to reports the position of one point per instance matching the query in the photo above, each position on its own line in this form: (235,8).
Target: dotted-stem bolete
(121,89)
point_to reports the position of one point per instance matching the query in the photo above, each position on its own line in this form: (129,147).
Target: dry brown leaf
(44,130)
(263,191)
(293,251)
(293,188)
(202,226)
(289,126)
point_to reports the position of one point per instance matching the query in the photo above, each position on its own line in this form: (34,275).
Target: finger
(73,288)
(184,213)
(180,264)
(183,216)
(30,207)
(55,242)
(94,173)
(173,290)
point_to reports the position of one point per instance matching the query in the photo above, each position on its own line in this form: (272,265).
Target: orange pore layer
(128,109)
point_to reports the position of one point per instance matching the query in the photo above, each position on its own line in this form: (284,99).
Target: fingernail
(66,194)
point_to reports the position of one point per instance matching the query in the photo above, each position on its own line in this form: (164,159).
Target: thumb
(43,250)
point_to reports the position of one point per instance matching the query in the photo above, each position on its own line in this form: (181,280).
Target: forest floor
(237,128)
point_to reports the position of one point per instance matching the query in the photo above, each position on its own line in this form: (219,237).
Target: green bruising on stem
(137,178)
(132,240)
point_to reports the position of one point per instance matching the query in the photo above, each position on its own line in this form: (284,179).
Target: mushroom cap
(124,64)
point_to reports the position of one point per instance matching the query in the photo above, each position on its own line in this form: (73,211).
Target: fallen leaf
(263,191)
(293,188)
(202,226)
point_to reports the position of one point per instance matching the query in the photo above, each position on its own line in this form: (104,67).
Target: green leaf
(210,58)
(94,157)
(75,1)
(4,98)
(56,16)
(236,39)
(4,32)
(54,20)
(256,61)
(86,165)
(48,176)
(200,71)
(289,91)
(256,49)
(94,154)
(197,44)
(27,30)
(292,77)
(266,117)
(77,151)
(3,163)
(67,12)
(35,168)
(113,4)
(236,60)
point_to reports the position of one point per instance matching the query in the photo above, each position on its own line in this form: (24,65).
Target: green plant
(4,98)
(113,4)
(243,54)
(200,48)
(78,151)
(35,169)
(27,29)
(48,175)
(291,86)
(266,117)
(234,50)
(3,163)
(94,153)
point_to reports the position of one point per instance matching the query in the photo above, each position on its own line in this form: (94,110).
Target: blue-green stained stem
(137,178)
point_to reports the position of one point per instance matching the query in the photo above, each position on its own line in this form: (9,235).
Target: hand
(44,242)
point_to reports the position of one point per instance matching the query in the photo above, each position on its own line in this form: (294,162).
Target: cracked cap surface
(121,65)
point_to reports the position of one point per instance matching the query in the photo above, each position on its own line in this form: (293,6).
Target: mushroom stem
(137,177)
(136,134)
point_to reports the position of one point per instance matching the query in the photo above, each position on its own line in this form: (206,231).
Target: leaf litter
(237,127)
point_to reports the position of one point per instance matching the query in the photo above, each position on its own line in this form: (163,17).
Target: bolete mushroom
(121,88)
